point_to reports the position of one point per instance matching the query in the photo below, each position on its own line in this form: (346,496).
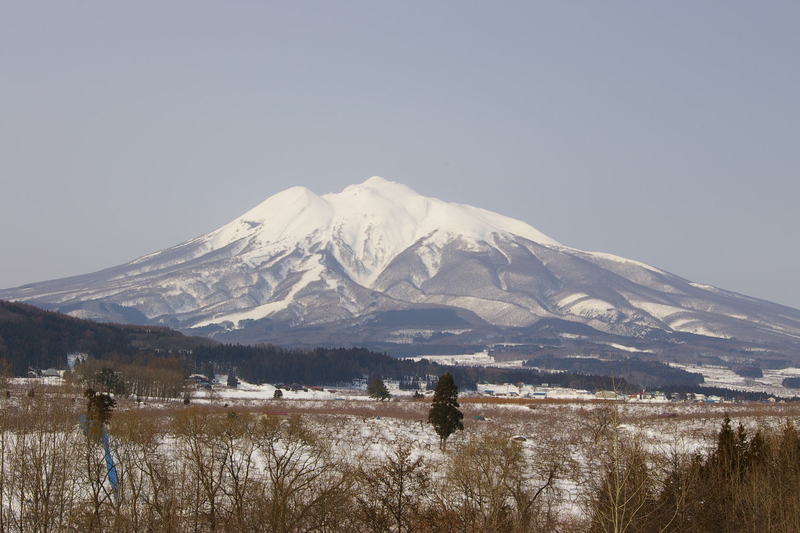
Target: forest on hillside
(35,338)
(329,366)
(633,369)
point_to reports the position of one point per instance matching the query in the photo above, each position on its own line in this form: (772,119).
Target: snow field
(361,431)
(771,383)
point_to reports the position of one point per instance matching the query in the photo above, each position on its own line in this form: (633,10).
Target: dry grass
(527,401)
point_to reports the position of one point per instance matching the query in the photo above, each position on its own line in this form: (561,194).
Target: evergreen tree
(109,381)
(207,369)
(278,394)
(99,406)
(6,369)
(444,414)
(377,389)
(233,381)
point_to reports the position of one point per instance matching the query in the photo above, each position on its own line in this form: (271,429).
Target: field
(233,460)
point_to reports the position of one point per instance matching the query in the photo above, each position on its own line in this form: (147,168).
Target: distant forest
(329,366)
(633,370)
(33,337)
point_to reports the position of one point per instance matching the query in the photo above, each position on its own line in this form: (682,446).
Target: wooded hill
(650,374)
(331,366)
(33,337)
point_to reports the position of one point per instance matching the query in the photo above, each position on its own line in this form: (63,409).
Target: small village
(423,387)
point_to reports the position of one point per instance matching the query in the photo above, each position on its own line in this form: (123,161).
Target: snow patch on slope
(703,286)
(628,348)
(567,300)
(696,326)
(591,307)
(624,260)
(657,310)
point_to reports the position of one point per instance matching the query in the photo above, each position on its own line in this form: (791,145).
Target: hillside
(33,337)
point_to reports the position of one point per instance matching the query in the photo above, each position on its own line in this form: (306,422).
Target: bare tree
(492,485)
(307,489)
(390,491)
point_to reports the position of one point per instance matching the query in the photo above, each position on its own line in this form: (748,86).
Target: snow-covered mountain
(377,249)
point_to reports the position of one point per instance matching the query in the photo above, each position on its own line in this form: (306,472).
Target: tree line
(207,470)
(139,376)
(633,370)
(35,338)
(745,482)
(213,470)
(330,366)
(32,337)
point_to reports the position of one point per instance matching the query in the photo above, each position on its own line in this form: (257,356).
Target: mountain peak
(365,225)
(376,181)
(299,258)
(382,186)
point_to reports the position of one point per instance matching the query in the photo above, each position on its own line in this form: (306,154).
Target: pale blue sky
(662,131)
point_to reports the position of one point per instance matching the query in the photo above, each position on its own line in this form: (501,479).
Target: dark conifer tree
(233,381)
(99,406)
(444,414)
(207,370)
(377,389)
(109,381)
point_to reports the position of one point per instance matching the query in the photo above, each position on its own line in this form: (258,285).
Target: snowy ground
(715,376)
(360,428)
(771,383)
(469,359)
(250,391)
(257,393)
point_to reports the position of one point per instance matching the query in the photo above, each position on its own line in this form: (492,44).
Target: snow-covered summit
(365,225)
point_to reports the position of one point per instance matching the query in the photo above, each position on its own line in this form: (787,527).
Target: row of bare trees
(139,377)
(742,483)
(204,470)
(236,471)
(197,469)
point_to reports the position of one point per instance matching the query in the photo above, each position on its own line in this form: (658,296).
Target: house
(392,384)
(76,358)
(201,380)
(606,395)
(49,373)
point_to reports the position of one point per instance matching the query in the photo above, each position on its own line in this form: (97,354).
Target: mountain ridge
(300,260)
